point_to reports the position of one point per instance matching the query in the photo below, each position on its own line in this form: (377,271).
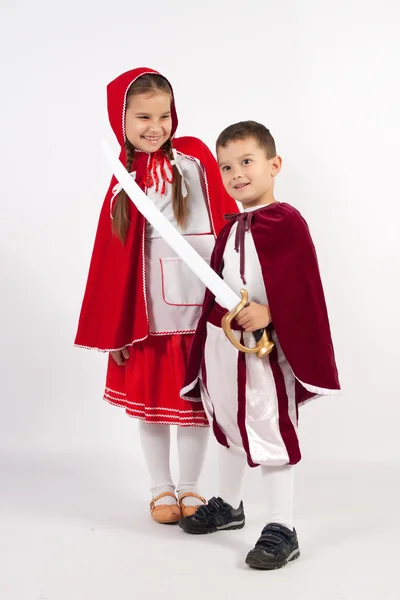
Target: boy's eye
(226,168)
(143,117)
(246,161)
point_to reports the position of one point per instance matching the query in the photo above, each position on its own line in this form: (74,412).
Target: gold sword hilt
(264,345)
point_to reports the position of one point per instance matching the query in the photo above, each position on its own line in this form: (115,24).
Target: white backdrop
(323,76)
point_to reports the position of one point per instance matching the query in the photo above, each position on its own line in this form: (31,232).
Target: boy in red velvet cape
(252,403)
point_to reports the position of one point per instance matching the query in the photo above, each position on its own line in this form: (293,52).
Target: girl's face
(148,121)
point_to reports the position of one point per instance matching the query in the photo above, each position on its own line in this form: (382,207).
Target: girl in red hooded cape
(142,303)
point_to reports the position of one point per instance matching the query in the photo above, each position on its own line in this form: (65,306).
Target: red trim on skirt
(148,386)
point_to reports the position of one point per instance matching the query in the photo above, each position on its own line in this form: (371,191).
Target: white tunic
(266,408)
(253,275)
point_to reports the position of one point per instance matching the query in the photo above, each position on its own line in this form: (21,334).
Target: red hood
(116,100)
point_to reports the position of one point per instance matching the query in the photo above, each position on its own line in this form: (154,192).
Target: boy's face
(248,175)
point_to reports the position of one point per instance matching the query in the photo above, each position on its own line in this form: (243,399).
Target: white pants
(251,398)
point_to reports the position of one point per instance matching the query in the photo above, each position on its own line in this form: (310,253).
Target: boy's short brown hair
(246,129)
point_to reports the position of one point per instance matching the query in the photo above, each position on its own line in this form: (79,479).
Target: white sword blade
(222,292)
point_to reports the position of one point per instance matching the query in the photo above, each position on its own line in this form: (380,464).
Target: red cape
(113,313)
(296,300)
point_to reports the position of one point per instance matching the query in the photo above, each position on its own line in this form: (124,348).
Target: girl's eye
(246,161)
(226,168)
(166,117)
(143,117)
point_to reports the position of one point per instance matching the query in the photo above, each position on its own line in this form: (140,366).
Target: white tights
(192,445)
(278,486)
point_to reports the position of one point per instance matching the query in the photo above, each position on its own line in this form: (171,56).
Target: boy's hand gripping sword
(222,292)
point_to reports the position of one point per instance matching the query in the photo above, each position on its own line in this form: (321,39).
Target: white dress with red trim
(174,297)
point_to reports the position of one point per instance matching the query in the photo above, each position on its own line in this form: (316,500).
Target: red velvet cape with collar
(113,313)
(295,296)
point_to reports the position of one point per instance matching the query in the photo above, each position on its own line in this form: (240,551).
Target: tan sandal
(188,511)
(165,513)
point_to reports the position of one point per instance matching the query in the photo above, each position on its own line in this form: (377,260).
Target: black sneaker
(275,548)
(216,515)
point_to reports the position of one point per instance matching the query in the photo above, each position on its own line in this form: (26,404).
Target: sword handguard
(263,347)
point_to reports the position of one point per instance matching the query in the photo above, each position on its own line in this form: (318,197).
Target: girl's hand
(254,316)
(120,356)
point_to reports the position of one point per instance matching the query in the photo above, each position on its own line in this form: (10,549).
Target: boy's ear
(276,165)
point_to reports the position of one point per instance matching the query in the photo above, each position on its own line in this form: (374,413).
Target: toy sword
(222,292)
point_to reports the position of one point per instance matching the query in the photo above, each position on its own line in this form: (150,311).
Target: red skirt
(148,386)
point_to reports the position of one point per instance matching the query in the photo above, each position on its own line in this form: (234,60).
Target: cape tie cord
(158,161)
(244,221)
(158,165)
